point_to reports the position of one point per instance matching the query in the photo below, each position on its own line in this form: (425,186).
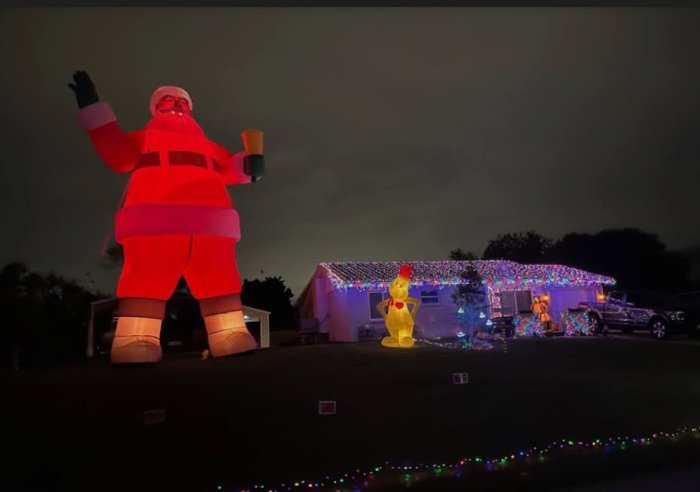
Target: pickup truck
(637,310)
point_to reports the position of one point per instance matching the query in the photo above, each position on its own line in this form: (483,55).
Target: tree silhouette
(470,299)
(527,247)
(637,259)
(459,255)
(112,255)
(44,316)
(271,295)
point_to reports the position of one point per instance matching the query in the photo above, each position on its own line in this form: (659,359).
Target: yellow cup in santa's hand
(253,140)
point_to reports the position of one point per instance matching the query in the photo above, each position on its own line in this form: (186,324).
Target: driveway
(642,336)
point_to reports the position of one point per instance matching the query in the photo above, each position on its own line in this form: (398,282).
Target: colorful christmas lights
(527,325)
(462,343)
(575,322)
(496,274)
(388,474)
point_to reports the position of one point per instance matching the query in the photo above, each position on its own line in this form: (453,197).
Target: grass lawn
(253,418)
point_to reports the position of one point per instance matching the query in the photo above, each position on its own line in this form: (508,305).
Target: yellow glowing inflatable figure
(398,317)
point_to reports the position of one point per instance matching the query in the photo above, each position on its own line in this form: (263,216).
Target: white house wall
(340,328)
(437,320)
(568,298)
(358,311)
(432,320)
(321,302)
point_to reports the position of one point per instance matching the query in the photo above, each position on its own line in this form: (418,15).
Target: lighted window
(523,300)
(429,297)
(374,299)
(513,302)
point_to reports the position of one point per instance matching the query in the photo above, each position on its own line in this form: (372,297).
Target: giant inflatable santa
(176,219)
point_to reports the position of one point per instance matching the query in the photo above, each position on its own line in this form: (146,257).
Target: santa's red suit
(176,220)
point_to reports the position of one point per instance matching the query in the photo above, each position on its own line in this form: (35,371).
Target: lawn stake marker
(460,378)
(154,417)
(326,407)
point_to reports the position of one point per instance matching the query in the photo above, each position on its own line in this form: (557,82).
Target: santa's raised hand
(84,88)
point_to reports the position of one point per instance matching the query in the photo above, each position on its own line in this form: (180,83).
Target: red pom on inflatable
(405,271)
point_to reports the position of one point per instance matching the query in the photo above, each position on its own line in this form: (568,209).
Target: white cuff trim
(95,116)
(237,164)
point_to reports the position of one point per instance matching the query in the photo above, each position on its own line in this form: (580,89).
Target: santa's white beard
(175,123)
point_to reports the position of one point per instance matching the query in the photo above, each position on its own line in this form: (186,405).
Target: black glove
(84,88)
(254,166)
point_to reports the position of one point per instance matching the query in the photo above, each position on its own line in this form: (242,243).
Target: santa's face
(173,114)
(178,106)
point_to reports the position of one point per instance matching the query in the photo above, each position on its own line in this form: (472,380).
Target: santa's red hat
(168,90)
(405,271)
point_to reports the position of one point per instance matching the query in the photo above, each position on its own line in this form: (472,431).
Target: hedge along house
(340,299)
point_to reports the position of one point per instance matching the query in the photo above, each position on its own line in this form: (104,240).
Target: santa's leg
(226,331)
(136,340)
(213,278)
(152,267)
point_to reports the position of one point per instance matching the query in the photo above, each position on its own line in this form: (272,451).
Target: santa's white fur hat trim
(168,90)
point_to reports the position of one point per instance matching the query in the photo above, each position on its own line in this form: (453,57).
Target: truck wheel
(594,323)
(659,328)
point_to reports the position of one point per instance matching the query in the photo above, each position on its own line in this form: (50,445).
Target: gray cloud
(390,133)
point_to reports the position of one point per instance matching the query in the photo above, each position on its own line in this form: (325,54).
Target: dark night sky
(391,133)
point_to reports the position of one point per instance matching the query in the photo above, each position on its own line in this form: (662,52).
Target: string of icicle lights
(496,274)
(387,474)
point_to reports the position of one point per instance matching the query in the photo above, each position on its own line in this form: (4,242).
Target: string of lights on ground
(389,474)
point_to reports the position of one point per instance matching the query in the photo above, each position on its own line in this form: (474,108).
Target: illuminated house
(340,299)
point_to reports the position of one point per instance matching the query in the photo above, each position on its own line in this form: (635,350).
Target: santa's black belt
(175,158)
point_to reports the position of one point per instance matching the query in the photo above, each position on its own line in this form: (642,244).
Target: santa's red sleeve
(118,149)
(230,165)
